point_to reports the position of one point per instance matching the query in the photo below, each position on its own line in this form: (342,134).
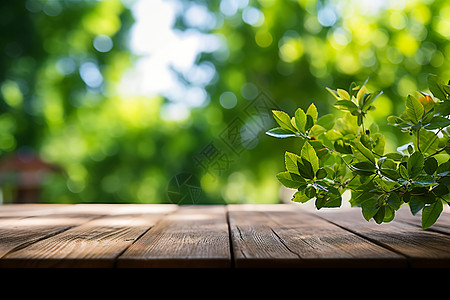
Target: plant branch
(439,151)
(340,155)
(405,187)
(418,148)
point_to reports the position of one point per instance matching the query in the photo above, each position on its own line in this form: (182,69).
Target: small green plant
(339,154)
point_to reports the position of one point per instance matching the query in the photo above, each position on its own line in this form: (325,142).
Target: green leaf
(370,99)
(334,93)
(414,109)
(310,191)
(440,190)
(294,124)
(386,163)
(435,84)
(358,197)
(291,180)
(446,88)
(364,168)
(443,108)
(443,169)
(428,141)
(305,169)
(394,201)
(280,132)
(316,131)
(389,173)
(353,88)
(283,120)
(321,173)
(379,216)
(312,111)
(431,213)
(360,118)
(415,164)
(328,200)
(290,160)
(309,122)
(389,214)
(361,95)
(333,135)
(309,154)
(367,154)
(406,197)
(379,143)
(415,204)
(300,197)
(424,180)
(330,172)
(300,119)
(410,149)
(374,128)
(327,195)
(342,147)
(369,208)
(395,156)
(326,121)
(343,94)
(322,152)
(430,166)
(437,122)
(403,172)
(346,105)
(324,186)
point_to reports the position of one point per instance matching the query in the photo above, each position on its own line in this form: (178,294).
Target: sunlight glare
(165,54)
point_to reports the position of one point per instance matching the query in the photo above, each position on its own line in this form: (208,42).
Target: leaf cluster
(339,154)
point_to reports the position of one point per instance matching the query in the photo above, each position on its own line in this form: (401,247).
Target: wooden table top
(218,236)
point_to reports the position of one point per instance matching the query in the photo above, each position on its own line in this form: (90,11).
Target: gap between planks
(286,236)
(403,235)
(192,236)
(278,235)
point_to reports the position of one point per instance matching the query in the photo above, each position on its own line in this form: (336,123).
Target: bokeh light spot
(103,43)
(228,100)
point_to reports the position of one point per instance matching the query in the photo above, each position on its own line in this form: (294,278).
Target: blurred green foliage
(59,95)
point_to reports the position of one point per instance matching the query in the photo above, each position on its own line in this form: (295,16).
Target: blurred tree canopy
(62,63)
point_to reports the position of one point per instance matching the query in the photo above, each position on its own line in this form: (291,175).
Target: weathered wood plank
(27,210)
(193,236)
(96,243)
(111,235)
(253,240)
(37,223)
(285,236)
(423,248)
(442,225)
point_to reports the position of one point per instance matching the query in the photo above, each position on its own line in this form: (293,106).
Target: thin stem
(439,151)
(332,150)
(399,187)
(350,179)
(418,148)
(362,124)
(377,154)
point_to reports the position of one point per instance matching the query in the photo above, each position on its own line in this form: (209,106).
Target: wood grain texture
(28,210)
(90,242)
(31,223)
(280,235)
(193,236)
(442,225)
(220,236)
(423,248)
